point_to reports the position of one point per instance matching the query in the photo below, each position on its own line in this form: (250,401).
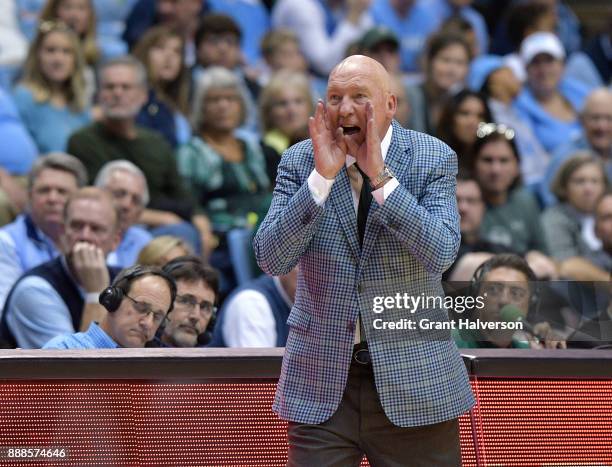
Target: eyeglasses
(207,309)
(145,309)
(485,129)
(496,289)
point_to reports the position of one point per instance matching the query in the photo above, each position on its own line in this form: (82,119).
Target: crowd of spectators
(177,112)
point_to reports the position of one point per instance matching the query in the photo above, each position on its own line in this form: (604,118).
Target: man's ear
(391,105)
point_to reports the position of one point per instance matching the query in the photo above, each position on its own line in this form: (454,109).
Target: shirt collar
(384,147)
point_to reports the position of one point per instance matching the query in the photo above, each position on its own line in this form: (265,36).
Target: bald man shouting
(367,209)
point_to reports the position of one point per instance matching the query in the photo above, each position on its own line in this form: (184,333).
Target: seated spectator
(596,119)
(137,303)
(519,20)
(225,171)
(473,250)
(509,291)
(217,43)
(526,17)
(325,29)
(492,77)
(549,103)
(596,266)
(61,295)
(462,8)
(128,186)
(51,97)
(381,44)
(459,122)
(280,49)
(34,237)
(413,21)
(459,25)
(253,19)
(255,314)
(161,50)
(116,136)
(593,66)
(284,105)
(162,250)
(182,15)
(512,217)
(446,65)
(569,226)
(80,16)
(197,289)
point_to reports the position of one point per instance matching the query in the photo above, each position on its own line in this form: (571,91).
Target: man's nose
(86,234)
(147,323)
(504,298)
(346,106)
(54,196)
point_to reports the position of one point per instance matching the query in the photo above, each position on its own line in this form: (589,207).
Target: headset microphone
(512,314)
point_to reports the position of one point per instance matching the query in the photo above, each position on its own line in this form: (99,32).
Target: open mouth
(351,130)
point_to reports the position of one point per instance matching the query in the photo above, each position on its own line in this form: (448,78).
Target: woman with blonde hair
(163,249)
(51,96)
(284,106)
(162,50)
(80,16)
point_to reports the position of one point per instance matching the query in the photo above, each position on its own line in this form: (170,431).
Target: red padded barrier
(141,423)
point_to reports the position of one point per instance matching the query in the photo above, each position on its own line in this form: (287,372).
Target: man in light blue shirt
(596,119)
(137,303)
(33,237)
(61,296)
(127,184)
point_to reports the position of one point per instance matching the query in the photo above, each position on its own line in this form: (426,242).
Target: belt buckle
(362,356)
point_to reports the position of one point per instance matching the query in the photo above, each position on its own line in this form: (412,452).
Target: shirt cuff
(319,187)
(384,191)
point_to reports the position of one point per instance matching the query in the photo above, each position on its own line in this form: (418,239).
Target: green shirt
(227,191)
(472,339)
(94,145)
(515,224)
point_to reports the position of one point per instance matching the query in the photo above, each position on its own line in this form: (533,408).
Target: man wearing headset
(194,310)
(508,289)
(137,302)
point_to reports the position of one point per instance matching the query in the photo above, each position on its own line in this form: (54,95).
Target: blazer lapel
(397,159)
(342,199)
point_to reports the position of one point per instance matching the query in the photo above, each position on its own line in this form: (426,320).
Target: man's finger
(341,141)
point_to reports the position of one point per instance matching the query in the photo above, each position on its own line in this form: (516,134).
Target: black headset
(111,297)
(489,265)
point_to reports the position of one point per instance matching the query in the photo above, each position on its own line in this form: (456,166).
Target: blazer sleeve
(428,227)
(292,220)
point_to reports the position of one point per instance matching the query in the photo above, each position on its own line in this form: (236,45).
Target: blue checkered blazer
(408,243)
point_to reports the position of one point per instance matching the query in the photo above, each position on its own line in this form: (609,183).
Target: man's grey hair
(126,60)
(58,161)
(109,168)
(218,78)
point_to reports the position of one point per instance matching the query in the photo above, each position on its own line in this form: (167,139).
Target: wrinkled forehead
(364,72)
